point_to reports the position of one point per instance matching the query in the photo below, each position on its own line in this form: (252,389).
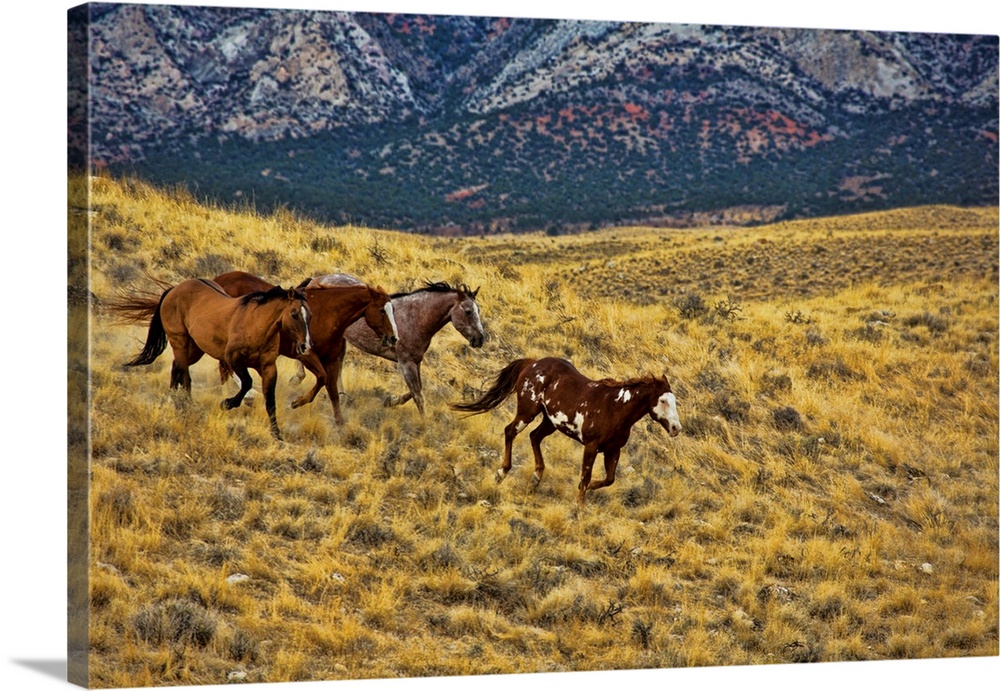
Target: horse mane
(645,379)
(261,297)
(435,287)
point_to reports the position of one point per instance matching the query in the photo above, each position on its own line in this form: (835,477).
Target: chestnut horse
(420,314)
(598,414)
(333,310)
(197,317)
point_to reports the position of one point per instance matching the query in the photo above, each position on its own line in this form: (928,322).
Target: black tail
(501,389)
(156,340)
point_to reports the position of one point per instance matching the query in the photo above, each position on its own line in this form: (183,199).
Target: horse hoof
(298,403)
(387,402)
(500,475)
(535,479)
(227,404)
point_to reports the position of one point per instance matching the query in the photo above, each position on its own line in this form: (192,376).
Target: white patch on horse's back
(555,384)
(561,421)
(540,378)
(392,319)
(624,395)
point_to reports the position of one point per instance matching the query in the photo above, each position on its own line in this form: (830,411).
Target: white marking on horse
(475,312)
(624,395)
(561,420)
(392,319)
(520,425)
(305,320)
(666,411)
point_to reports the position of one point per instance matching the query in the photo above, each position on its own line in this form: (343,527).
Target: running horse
(598,414)
(420,314)
(197,317)
(334,309)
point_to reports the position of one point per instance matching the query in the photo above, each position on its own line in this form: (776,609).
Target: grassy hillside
(834,495)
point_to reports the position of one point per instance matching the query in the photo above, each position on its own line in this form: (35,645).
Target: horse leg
(332,382)
(610,464)
(178,375)
(520,421)
(410,371)
(299,374)
(185,354)
(589,455)
(338,365)
(537,435)
(248,398)
(312,362)
(268,378)
(243,375)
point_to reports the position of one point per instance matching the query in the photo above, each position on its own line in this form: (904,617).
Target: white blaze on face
(305,320)
(665,412)
(392,319)
(475,314)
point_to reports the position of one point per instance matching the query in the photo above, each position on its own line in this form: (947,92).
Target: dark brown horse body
(334,309)
(419,314)
(197,317)
(598,414)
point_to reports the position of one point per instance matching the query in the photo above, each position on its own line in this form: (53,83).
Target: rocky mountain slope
(462,124)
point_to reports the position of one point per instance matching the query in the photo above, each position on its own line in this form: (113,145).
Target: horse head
(665,409)
(465,317)
(295,320)
(379,317)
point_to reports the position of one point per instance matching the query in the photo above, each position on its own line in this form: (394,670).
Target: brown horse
(197,317)
(420,314)
(598,414)
(333,310)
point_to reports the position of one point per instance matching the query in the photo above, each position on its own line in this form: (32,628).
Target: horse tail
(137,308)
(225,371)
(498,393)
(156,339)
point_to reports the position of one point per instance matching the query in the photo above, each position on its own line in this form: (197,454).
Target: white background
(33,335)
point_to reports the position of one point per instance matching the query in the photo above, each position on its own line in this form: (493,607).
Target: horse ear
(475,292)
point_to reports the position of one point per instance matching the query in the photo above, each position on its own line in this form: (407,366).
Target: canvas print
(427,345)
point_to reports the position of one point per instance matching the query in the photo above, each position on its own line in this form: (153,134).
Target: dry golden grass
(834,495)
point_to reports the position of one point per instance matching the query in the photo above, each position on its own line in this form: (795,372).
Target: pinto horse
(334,309)
(198,317)
(598,414)
(420,314)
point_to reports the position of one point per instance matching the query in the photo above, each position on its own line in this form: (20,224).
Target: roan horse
(197,317)
(334,309)
(420,314)
(598,414)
